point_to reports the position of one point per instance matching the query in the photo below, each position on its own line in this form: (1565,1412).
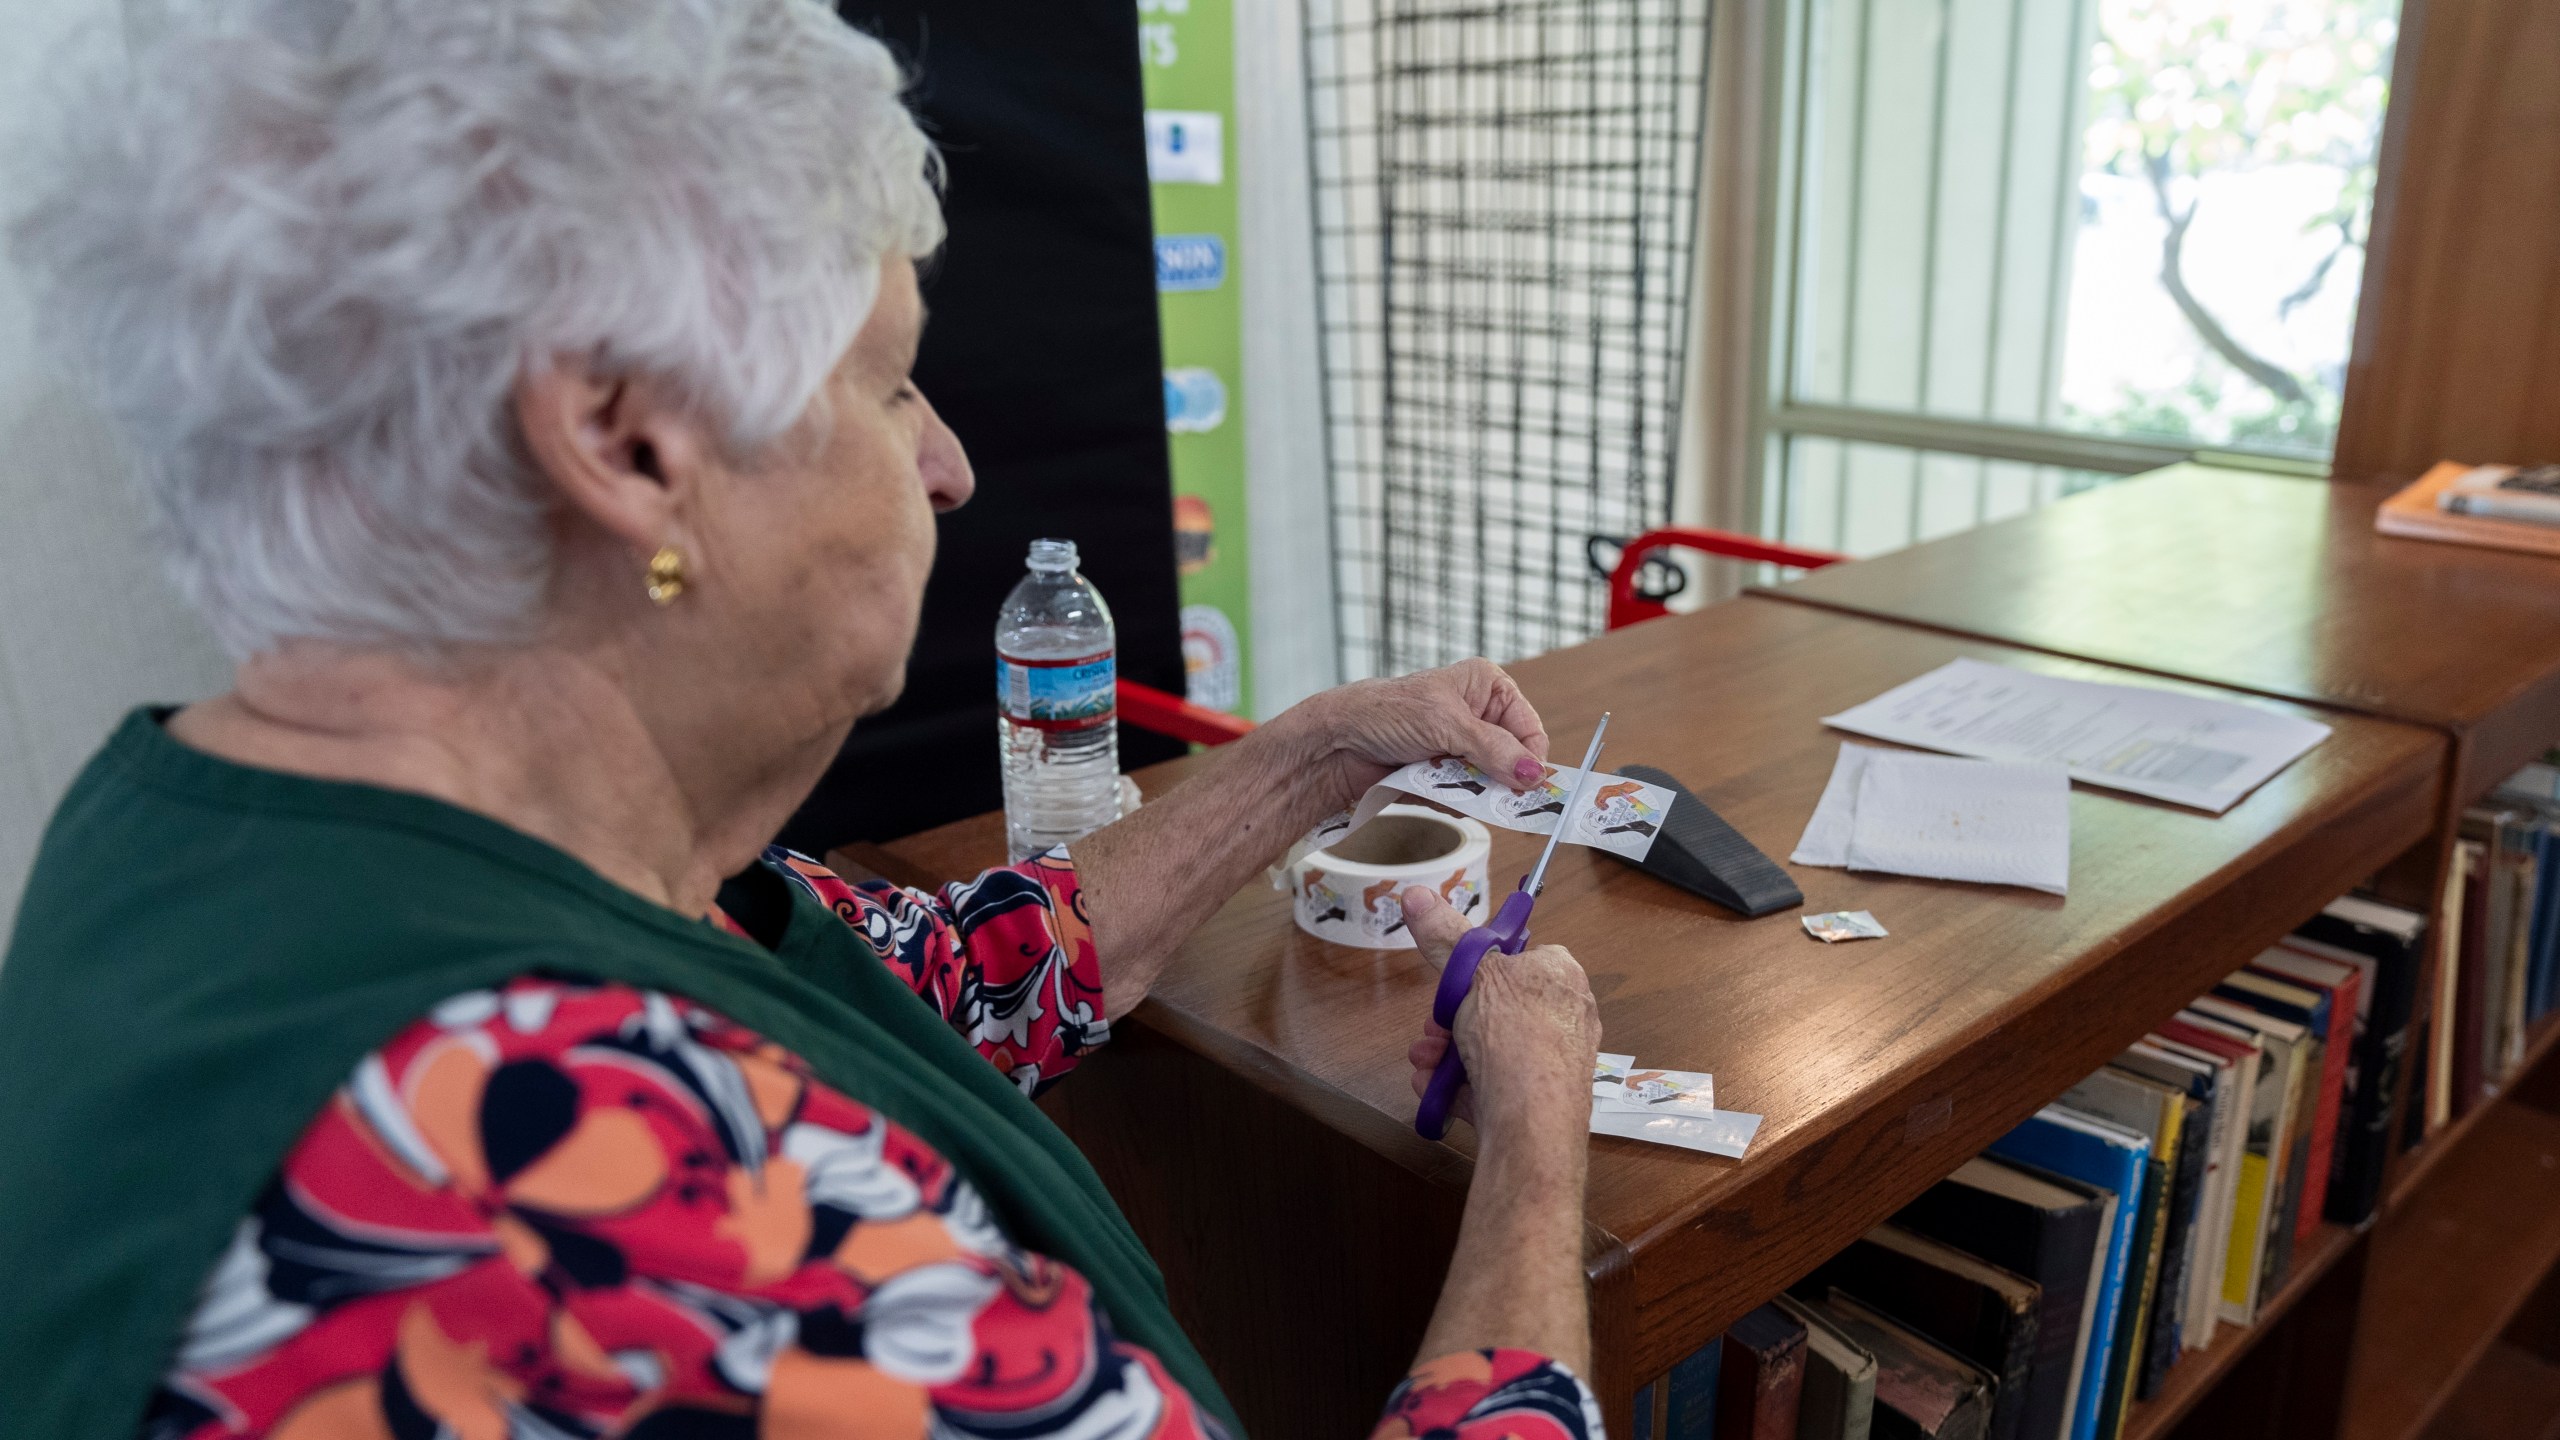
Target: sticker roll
(1348,892)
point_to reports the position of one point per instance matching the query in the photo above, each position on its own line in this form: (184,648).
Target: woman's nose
(948,480)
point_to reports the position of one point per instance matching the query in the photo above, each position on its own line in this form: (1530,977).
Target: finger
(1425,1052)
(1499,753)
(1435,924)
(1461,1107)
(1507,707)
(1498,729)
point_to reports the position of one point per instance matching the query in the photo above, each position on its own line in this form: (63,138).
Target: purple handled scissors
(1509,933)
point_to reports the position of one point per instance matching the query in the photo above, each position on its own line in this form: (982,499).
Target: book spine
(1781,1393)
(2492,505)
(2324,1123)
(2471,1000)
(1689,1408)
(1738,1389)
(2087,1425)
(2382,1046)
(2302,1082)
(2546,922)
(2420,1061)
(2177,1256)
(2124,1361)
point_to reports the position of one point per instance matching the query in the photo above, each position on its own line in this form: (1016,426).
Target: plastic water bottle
(1058,713)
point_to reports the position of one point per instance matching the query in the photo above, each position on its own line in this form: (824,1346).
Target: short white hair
(305,248)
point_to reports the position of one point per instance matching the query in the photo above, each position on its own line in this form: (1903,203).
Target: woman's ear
(619,455)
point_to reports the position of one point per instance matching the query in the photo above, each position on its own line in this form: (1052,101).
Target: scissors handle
(1508,933)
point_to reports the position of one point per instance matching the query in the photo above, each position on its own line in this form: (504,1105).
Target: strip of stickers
(1617,814)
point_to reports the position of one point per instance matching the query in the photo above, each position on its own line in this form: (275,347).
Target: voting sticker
(1616,814)
(1666,1092)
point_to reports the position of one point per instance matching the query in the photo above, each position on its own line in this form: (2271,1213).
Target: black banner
(1042,353)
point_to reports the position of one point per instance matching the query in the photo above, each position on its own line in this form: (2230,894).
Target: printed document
(2181,748)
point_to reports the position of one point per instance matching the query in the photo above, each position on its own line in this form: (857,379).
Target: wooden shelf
(2198,1371)
(2512,1394)
(2539,1044)
(2451,1265)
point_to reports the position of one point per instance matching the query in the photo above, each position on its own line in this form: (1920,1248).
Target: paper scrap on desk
(2181,748)
(1835,926)
(1665,1107)
(1617,814)
(1990,822)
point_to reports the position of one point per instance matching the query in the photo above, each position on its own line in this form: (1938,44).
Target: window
(2024,246)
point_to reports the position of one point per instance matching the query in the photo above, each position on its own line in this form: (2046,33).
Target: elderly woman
(420,1039)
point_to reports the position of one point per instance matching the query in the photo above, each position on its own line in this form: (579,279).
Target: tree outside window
(2225,200)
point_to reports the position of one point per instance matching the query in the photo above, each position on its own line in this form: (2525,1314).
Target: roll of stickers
(1349,891)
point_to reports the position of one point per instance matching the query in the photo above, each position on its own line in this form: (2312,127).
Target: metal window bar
(1505,208)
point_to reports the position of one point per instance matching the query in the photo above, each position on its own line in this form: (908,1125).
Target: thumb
(1435,924)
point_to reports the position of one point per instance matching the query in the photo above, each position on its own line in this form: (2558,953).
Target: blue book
(2113,1159)
(2542,953)
(1690,1411)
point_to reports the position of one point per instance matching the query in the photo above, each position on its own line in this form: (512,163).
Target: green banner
(1186,51)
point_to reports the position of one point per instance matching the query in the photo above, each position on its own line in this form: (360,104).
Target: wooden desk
(2265,583)
(1254,1117)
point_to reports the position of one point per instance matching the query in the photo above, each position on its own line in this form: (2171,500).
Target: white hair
(305,249)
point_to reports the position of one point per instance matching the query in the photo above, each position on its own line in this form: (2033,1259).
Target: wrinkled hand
(1470,709)
(1529,1030)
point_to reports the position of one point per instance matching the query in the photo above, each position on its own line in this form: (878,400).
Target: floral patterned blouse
(560,1210)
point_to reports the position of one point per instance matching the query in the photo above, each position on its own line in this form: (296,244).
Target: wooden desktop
(1254,1117)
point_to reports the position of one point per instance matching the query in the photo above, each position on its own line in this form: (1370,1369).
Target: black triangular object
(1701,854)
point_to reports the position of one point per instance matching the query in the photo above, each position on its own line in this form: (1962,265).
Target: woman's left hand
(1470,709)
(1146,878)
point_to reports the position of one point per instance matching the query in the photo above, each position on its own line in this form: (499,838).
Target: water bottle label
(1058,694)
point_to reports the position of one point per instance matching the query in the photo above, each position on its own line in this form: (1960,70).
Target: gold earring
(666,575)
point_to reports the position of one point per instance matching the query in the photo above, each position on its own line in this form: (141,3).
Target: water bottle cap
(1053,555)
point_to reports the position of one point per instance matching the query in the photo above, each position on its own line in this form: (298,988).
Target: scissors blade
(1537,880)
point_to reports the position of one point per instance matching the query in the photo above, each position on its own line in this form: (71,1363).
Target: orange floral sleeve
(567,1211)
(1006,958)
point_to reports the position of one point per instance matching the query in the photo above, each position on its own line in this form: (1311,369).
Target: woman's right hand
(1529,1031)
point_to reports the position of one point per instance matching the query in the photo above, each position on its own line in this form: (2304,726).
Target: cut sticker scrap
(1835,926)
(1609,1076)
(1668,1092)
(1616,814)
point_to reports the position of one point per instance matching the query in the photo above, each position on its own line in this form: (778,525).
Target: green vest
(206,950)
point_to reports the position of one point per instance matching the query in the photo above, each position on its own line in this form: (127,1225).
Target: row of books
(2500,943)
(2050,1282)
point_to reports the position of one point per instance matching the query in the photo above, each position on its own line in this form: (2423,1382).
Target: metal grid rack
(1505,208)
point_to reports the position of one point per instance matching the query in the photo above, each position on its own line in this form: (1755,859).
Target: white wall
(88,628)
(87,625)
(1286,500)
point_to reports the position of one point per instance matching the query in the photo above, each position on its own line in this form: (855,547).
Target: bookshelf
(2512,1394)
(2465,1249)
(2449,1140)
